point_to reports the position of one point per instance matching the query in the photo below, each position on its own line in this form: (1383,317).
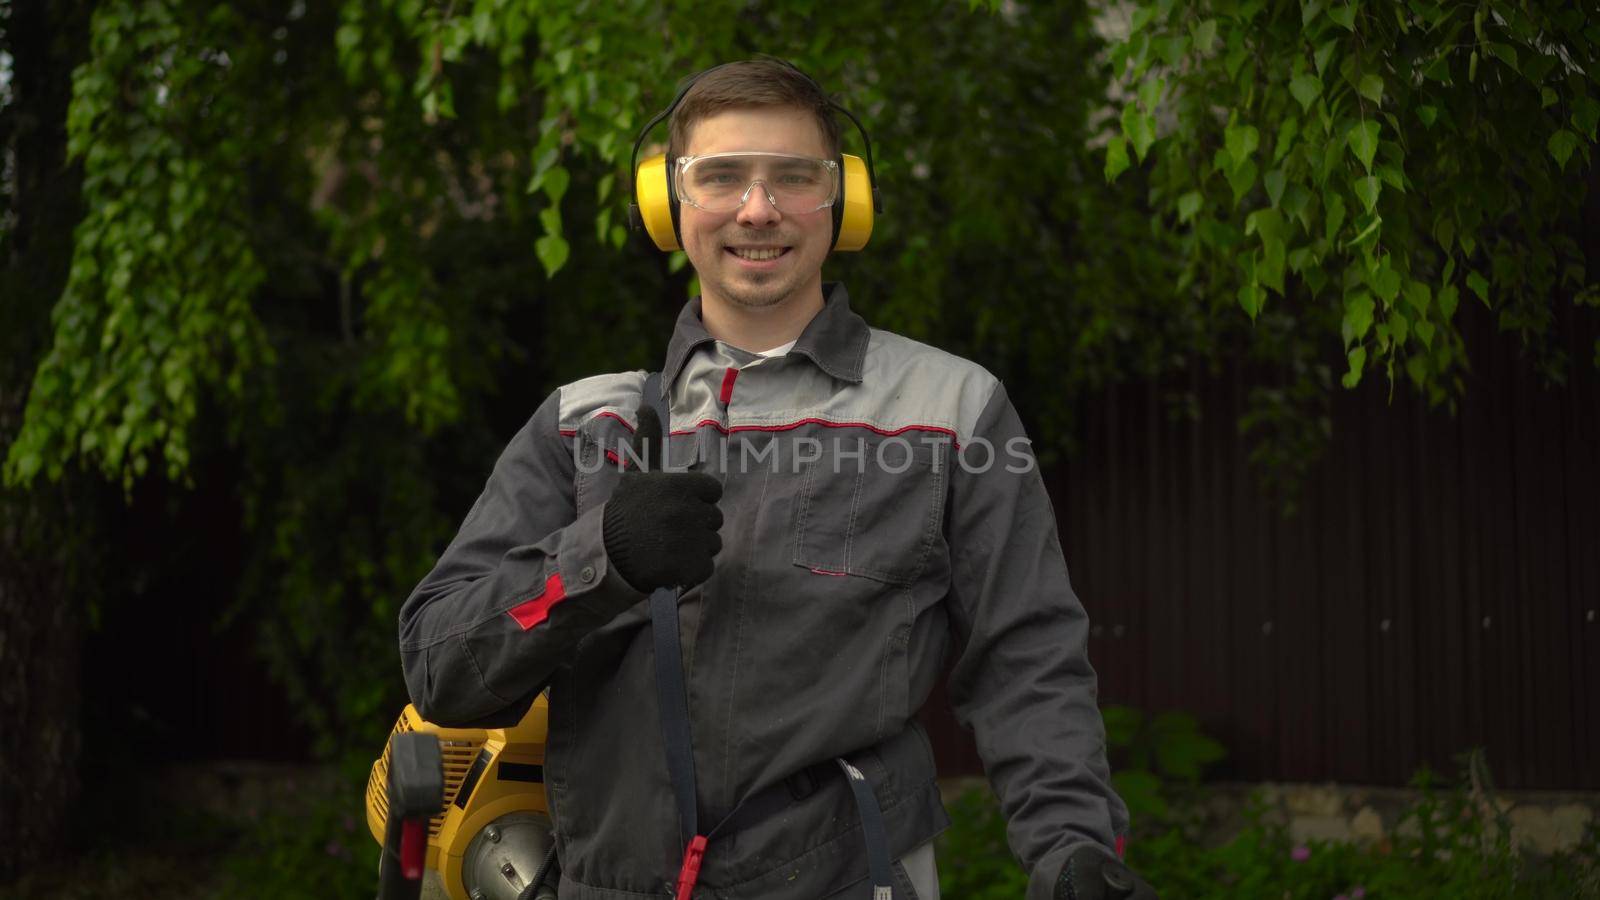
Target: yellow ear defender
(655,206)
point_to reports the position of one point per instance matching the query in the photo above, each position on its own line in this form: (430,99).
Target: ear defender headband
(655,206)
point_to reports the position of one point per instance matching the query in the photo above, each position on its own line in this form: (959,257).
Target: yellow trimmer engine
(493,838)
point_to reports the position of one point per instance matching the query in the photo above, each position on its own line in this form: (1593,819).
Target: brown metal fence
(1439,588)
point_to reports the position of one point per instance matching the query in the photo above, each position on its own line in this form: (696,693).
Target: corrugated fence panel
(1438,589)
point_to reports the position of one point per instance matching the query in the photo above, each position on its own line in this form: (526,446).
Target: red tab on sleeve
(727,383)
(531,612)
(1122,844)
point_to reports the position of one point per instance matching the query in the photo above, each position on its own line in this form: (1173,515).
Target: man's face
(711,238)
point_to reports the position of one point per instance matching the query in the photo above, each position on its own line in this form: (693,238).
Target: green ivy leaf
(1424,330)
(542,165)
(1428,114)
(1297,205)
(1585,115)
(1366,227)
(1343,16)
(1418,296)
(1399,327)
(1503,52)
(1363,141)
(1333,220)
(1150,93)
(1205,36)
(1371,87)
(1306,88)
(1140,129)
(1367,190)
(555,184)
(1270,271)
(1174,48)
(1561,145)
(1444,231)
(1324,55)
(1266,222)
(1241,141)
(1393,177)
(552,251)
(1116,157)
(1449,297)
(1285,139)
(1299,258)
(1251,298)
(1358,361)
(1386,283)
(1241,178)
(1358,308)
(1274,181)
(1309,11)
(1479,285)
(1188,205)
(550,218)
(1141,17)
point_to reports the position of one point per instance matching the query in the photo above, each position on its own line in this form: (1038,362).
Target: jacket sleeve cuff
(581,589)
(586,571)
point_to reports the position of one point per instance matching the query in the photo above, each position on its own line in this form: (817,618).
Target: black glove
(1093,874)
(660,528)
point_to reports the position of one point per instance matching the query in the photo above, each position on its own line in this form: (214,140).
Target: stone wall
(1541,822)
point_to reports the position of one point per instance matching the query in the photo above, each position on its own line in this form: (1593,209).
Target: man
(839,502)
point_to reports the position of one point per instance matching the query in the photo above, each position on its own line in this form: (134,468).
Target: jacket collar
(835,339)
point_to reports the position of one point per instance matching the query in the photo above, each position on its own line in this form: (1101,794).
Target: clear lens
(720,182)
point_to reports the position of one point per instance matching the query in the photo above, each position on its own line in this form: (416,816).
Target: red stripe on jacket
(531,612)
(785,426)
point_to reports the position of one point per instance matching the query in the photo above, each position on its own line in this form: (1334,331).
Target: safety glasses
(721,182)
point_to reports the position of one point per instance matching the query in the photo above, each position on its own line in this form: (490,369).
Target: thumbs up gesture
(660,528)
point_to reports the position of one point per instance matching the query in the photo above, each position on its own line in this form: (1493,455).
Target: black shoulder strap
(673,699)
(671,692)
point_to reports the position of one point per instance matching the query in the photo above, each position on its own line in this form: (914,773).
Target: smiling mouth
(758,254)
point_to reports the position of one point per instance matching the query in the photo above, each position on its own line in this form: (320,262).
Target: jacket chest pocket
(870,509)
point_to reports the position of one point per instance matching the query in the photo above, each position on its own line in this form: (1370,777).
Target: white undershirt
(779,350)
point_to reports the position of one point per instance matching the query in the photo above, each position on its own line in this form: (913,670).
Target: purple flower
(1358,893)
(1300,853)
(1341,897)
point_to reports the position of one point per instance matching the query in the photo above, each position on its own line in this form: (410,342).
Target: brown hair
(758,83)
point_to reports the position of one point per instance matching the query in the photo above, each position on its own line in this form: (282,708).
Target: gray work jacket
(879,501)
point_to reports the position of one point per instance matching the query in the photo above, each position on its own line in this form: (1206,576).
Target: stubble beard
(758,296)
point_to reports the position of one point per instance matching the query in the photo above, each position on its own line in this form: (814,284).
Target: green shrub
(1452,843)
(322,851)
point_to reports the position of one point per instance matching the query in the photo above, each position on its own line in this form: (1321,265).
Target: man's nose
(756,208)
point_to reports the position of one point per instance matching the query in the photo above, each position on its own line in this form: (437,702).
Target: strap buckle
(689,872)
